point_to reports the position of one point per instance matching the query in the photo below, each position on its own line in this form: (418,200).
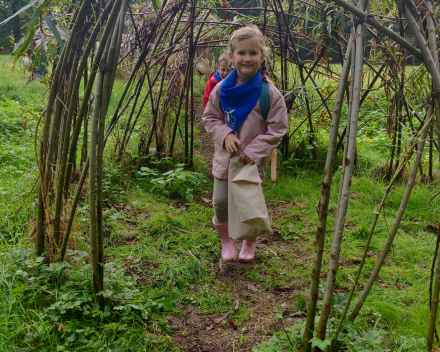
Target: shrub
(174,183)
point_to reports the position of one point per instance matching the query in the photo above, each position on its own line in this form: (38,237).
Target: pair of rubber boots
(228,245)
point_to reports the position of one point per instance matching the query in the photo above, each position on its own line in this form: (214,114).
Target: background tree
(14,26)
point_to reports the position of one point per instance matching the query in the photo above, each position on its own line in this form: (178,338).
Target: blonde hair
(250,32)
(224,57)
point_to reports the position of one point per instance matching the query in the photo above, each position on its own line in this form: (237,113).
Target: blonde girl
(233,117)
(223,69)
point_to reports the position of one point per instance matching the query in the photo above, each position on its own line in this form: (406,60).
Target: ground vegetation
(107,240)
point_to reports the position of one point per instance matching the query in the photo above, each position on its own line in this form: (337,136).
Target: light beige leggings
(220,200)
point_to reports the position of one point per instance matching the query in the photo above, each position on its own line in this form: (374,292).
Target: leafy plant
(174,183)
(369,341)
(62,293)
(413,344)
(322,345)
(286,340)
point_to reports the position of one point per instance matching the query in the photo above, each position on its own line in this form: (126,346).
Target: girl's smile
(223,69)
(247,58)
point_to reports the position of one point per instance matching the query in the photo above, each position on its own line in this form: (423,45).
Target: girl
(233,117)
(40,65)
(217,76)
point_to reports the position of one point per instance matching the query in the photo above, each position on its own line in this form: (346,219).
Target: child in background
(233,116)
(217,76)
(34,60)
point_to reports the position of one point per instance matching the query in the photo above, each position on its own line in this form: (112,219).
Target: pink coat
(257,137)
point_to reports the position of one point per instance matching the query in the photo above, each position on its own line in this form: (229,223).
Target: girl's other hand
(231,143)
(247,159)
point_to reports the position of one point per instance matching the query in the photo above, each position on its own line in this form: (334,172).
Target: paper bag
(247,212)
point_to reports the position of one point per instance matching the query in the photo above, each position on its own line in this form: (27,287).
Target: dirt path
(257,299)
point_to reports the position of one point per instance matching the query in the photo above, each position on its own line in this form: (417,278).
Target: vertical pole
(191,77)
(265,17)
(325,198)
(431,142)
(40,226)
(186,117)
(345,194)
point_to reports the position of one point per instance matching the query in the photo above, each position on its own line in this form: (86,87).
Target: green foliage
(413,344)
(10,118)
(12,31)
(115,184)
(322,345)
(174,183)
(20,106)
(62,293)
(289,339)
(369,341)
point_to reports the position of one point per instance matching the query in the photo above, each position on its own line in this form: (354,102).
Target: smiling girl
(233,117)
(219,75)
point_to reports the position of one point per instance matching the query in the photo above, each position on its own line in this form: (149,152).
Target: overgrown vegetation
(106,164)
(163,279)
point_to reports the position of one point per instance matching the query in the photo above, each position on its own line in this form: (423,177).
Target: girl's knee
(220,205)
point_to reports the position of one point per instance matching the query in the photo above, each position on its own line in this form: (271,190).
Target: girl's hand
(247,159)
(231,143)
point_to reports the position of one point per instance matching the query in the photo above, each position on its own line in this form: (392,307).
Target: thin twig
(132,259)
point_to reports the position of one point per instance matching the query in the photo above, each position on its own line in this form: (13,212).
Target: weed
(287,340)
(62,293)
(174,183)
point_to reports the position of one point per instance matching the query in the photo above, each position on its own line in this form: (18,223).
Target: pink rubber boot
(247,250)
(228,244)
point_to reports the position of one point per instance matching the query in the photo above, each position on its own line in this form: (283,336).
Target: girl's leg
(220,220)
(220,200)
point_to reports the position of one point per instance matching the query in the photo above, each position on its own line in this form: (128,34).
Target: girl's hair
(224,57)
(250,32)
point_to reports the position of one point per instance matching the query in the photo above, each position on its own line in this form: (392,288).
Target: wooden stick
(273,165)
(132,259)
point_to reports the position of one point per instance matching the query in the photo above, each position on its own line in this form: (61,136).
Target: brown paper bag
(247,212)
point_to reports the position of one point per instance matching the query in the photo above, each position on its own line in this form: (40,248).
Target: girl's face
(223,69)
(247,58)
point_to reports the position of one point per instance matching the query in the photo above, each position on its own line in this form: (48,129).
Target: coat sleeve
(277,125)
(214,119)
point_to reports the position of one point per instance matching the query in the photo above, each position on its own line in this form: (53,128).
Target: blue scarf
(238,101)
(217,76)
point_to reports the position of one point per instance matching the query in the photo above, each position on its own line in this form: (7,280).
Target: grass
(164,278)
(21,103)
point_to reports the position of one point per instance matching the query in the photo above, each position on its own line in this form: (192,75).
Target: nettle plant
(177,182)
